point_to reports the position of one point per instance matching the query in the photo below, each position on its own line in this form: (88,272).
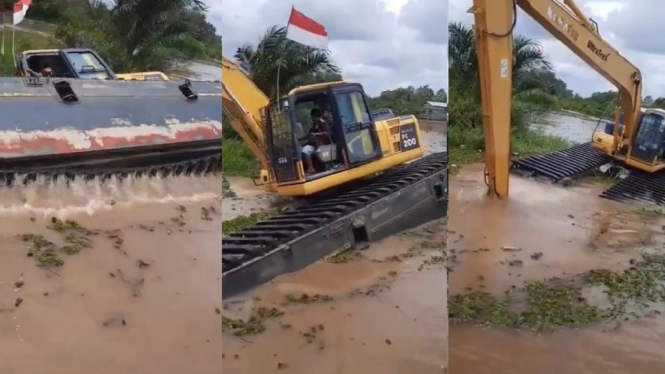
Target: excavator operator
(46,71)
(318,135)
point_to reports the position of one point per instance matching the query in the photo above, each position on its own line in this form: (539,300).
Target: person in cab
(318,135)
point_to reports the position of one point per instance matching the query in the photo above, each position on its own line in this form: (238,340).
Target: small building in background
(434,111)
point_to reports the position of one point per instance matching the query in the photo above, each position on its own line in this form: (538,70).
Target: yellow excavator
(66,113)
(636,138)
(356,145)
(144,76)
(363,187)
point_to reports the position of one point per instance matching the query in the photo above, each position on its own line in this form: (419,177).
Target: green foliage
(533,96)
(237,159)
(23,41)
(407,100)
(133,35)
(528,58)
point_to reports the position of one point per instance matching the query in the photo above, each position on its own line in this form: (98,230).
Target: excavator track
(570,163)
(402,198)
(580,159)
(639,187)
(193,166)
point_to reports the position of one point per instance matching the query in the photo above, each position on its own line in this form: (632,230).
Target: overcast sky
(635,28)
(382,44)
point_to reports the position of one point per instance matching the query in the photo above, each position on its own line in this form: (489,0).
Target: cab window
(282,132)
(352,109)
(87,65)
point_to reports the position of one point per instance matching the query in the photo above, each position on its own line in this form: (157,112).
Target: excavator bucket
(59,124)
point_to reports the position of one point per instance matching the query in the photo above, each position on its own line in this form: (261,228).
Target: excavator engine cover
(53,123)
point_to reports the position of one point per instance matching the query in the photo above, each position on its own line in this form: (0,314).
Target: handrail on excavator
(494,24)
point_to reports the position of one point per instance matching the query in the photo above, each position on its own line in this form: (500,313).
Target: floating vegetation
(226,188)
(254,325)
(307,298)
(560,303)
(75,238)
(243,222)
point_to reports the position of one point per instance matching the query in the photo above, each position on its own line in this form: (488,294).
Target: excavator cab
(353,146)
(647,148)
(649,143)
(79,63)
(350,138)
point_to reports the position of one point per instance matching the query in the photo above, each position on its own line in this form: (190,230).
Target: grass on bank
(24,41)
(466,145)
(238,160)
(466,141)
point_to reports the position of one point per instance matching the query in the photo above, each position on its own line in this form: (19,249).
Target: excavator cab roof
(315,87)
(79,63)
(658,111)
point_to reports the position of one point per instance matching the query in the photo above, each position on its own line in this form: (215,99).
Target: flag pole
(2,20)
(279,66)
(13,43)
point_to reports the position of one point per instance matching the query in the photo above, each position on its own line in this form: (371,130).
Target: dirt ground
(379,309)
(545,231)
(142,294)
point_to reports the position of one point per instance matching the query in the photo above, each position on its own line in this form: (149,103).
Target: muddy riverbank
(144,266)
(544,231)
(378,309)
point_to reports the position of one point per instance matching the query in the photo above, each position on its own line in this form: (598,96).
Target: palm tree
(528,55)
(135,34)
(277,62)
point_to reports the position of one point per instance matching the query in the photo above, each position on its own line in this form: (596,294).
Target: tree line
(131,35)
(535,83)
(465,110)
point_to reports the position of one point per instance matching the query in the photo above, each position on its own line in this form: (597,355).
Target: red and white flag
(20,9)
(305,30)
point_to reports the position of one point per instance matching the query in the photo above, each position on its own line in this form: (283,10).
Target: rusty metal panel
(109,115)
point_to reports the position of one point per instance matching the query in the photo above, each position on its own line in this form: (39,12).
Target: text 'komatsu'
(563,25)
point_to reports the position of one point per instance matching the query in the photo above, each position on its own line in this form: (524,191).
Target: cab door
(280,143)
(356,126)
(648,143)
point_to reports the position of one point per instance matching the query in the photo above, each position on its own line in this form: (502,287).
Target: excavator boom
(494,24)
(243,101)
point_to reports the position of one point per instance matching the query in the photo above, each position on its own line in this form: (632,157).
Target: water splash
(63,198)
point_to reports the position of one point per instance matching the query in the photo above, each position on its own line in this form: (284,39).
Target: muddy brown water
(578,129)
(395,322)
(387,317)
(148,305)
(576,231)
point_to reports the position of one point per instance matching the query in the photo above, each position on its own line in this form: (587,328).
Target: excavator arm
(242,102)
(494,23)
